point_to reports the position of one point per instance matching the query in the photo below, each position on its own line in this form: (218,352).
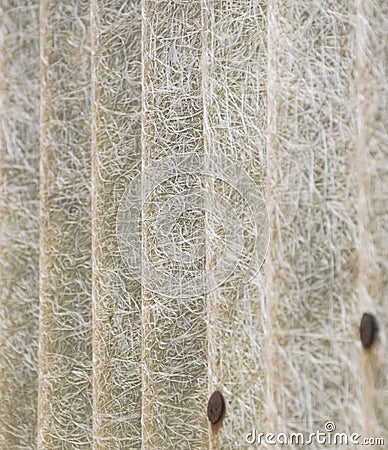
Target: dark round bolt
(368,330)
(215,407)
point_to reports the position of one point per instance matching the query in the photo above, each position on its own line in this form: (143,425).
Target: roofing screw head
(368,330)
(215,407)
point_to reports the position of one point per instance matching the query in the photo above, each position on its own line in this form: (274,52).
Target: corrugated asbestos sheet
(193,224)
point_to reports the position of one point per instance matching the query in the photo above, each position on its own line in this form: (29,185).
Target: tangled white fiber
(319,223)
(65,340)
(19,225)
(174,327)
(312,303)
(211,216)
(234,90)
(116,129)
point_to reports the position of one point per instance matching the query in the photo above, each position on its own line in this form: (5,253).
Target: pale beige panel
(312,341)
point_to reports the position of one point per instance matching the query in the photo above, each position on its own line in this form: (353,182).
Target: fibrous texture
(213,223)
(116,126)
(173,308)
(234,91)
(65,344)
(311,301)
(19,203)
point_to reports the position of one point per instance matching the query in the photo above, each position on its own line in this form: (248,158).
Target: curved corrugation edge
(174,327)
(312,307)
(65,344)
(19,222)
(372,170)
(116,130)
(234,92)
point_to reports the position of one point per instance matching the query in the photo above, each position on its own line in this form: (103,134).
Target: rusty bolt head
(368,330)
(215,407)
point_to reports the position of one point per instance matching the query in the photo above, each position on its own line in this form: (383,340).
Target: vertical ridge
(174,311)
(234,91)
(65,353)
(19,222)
(116,150)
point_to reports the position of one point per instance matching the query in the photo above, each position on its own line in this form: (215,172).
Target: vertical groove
(271,298)
(65,353)
(207,204)
(19,222)
(116,130)
(372,169)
